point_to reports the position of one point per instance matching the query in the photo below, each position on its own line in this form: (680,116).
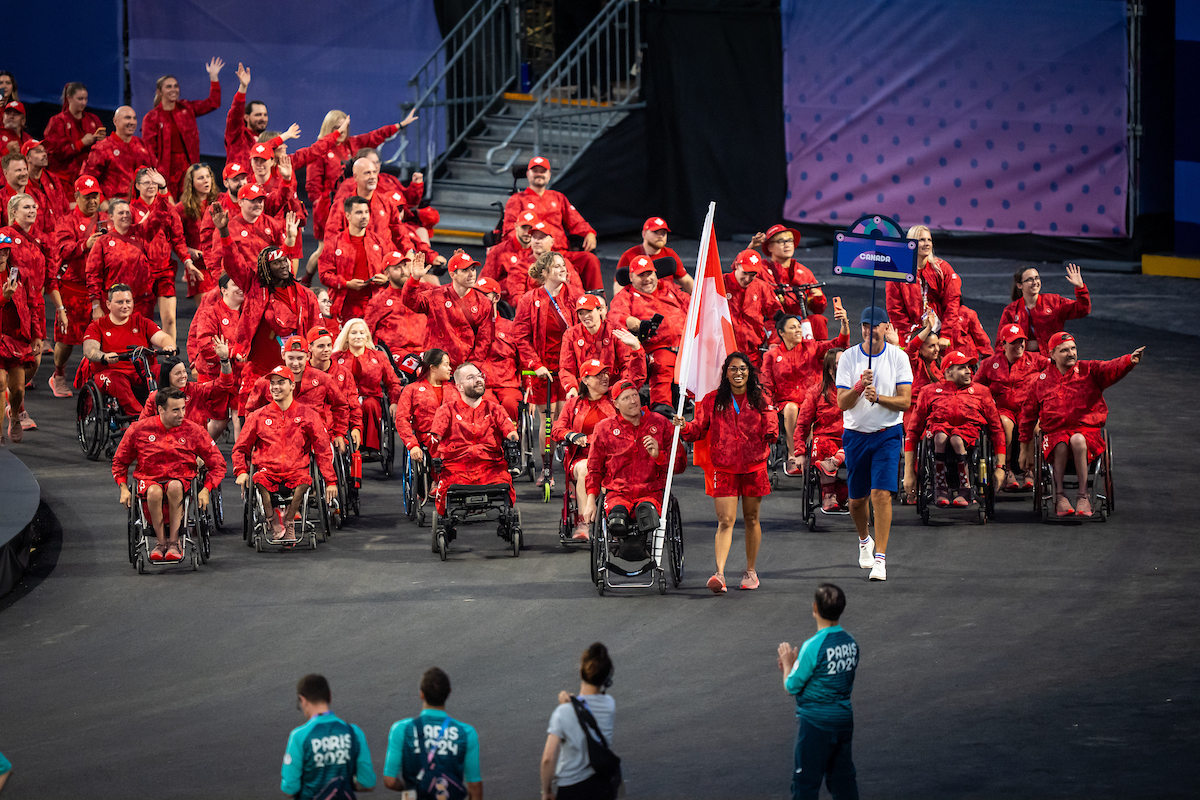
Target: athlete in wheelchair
(473,443)
(626,479)
(820,456)
(117,373)
(961,442)
(419,403)
(167,448)
(1067,404)
(274,453)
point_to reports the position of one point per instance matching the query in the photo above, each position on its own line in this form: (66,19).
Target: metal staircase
(476,129)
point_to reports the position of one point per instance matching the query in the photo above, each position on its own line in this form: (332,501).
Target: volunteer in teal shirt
(821,675)
(5,770)
(324,752)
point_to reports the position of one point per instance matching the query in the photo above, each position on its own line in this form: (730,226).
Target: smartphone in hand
(837,304)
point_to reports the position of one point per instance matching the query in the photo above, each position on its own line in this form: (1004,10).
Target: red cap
(282,372)
(641,264)
(260,150)
(620,388)
(749,261)
(295,344)
(395,257)
(541,228)
(593,368)
(1059,338)
(1010,333)
(957,357)
(29,145)
(429,217)
(586,302)
(251,191)
(316,332)
(775,230)
(487,286)
(655,224)
(526,218)
(460,260)
(86,184)
(15,105)
(232,168)
(538,161)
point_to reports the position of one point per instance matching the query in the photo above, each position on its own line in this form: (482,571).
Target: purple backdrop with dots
(974,116)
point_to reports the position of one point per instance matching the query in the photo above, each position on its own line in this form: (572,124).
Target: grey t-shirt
(573,765)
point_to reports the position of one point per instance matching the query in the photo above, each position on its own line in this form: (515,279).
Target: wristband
(62,308)
(859,387)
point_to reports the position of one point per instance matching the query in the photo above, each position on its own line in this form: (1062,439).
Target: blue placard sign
(875,257)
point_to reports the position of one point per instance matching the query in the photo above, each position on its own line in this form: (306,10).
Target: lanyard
(561,315)
(737,409)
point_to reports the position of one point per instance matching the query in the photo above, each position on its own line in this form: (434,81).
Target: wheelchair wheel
(594,542)
(527,422)
(924,479)
(218,509)
(811,492)
(516,536)
(1106,464)
(204,529)
(338,515)
(674,535)
(91,421)
(249,498)
(387,444)
(141,565)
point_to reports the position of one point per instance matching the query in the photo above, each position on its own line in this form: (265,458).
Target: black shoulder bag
(603,760)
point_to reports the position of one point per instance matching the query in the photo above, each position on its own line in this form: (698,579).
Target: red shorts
(164,285)
(741,484)
(144,485)
(1011,416)
(611,501)
(969,434)
(1093,436)
(277,482)
(825,447)
(536,390)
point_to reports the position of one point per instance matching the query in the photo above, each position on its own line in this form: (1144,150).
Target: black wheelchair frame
(100,422)
(314,520)
(195,534)
(1099,484)
(666,540)
(981,466)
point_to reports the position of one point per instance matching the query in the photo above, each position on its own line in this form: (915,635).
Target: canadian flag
(708,336)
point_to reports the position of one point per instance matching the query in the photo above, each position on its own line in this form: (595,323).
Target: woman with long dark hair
(421,399)
(740,424)
(1039,314)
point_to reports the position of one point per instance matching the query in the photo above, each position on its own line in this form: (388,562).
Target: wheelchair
(416,487)
(810,490)
(606,545)
(777,456)
(387,441)
(527,431)
(195,532)
(465,504)
(347,486)
(314,522)
(1098,484)
(566,523)
(981,465)
(99,419)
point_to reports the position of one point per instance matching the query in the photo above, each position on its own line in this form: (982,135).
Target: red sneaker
(1062,507)
(59,386)
(159,554)
(963,499)
(1083,506)
(174,552)
(717,584)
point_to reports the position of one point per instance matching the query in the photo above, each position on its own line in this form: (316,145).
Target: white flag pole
(687,352)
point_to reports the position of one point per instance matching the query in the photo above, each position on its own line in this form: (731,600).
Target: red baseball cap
(487,286)
(618,390)
(15,105)
(429,217)
(641,264)
(260,150)
(86,184)
(316,332)
(32,143)
(541,228)
(1010,333)
(586,302)
(775,230)
(295,344)
(251,191)
(396,257)
(655,224)
(1059,338)
(593,368)
(538,161)
(749,261)
(232,168)
(282,372)
(527,218)
(460,260)
(957,357)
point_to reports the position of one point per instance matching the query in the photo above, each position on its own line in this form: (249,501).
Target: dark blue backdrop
(60,42)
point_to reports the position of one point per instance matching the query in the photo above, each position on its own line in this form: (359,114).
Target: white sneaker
(878,572)
(866,553)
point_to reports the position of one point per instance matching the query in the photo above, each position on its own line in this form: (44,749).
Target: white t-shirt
(573,765)
(891,368)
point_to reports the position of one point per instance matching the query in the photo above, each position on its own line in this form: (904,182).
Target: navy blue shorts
(872,460)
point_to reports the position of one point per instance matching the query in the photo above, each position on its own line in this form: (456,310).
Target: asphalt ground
(1015,659)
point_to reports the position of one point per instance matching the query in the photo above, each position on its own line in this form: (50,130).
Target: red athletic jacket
(618,461)
(156,129)
(70,239)
(159,226)
(114,163)
(553,208)
(63,140)
(937,287)
(470,440)
(349,389)
(1010,384)
(238,138)
(579,347)
(508,264)
(924,373)
(973,339)
(337,263)
(164,453)
(737,442)
(819,416)
(946,407)
(393,323)
(281,442)
(533,319)
(502,368)
(206,400)
(462,326)
(51,199)
(387,219)
(119,259)
(571,420)
(315,389)
(212,318)
(323,175)
(269,307)
(1076,400)
(416,409)
(372,374)
(16,323)
(793,273)
(668,300)
(638,250)
(789,375)
(753,311)
(1049,316)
